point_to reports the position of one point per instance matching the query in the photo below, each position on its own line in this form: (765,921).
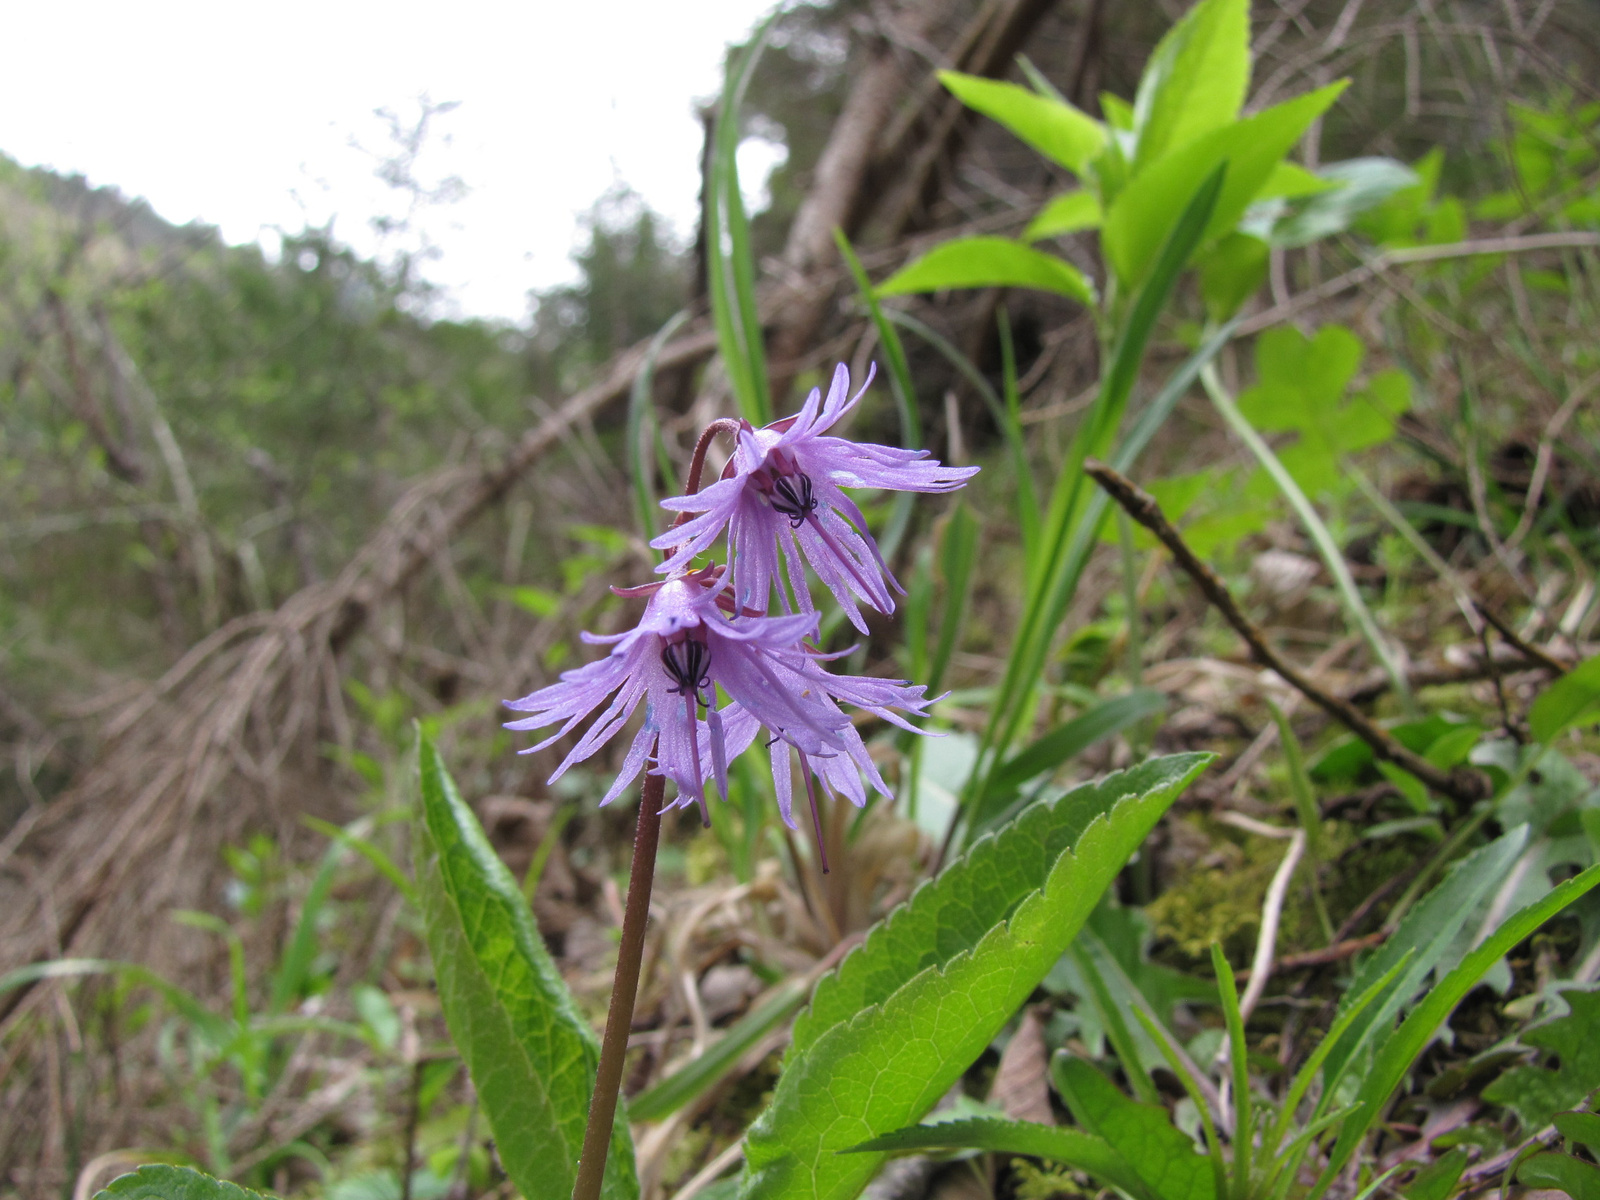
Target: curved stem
(624,991)
(697,462)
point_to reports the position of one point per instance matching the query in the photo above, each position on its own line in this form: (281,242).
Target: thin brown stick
(1461,784)
(624,991)
(1337,952)
(1523,647)
(1375,266)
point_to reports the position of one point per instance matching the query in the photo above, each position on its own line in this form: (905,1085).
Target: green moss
(1031,1182)
(1220,898)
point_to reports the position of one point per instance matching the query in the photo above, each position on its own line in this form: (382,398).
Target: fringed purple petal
(638,755)
(782,782)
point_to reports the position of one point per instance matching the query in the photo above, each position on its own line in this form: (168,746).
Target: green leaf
(1079,1150)
(1162,1155)
(1535,1093)
(1290,180)
(1195,80)
(1396,1056)
(1573,698)
(531,1054)
(1144,213)
(1427,934)
(1437,1180)
(161,1182)
(1065,214)
(1580,1127)
(1578,1179)
(1358,186)
(1302,386)
(1055,129)
(907,1012)
(1231,272)
(989,262)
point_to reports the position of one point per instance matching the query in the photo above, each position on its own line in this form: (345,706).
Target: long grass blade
(641,436)
(1354,606)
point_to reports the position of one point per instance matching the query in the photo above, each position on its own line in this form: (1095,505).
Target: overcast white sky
(243,115)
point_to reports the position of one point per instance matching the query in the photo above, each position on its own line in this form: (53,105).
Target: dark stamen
(689,664)
(792,495)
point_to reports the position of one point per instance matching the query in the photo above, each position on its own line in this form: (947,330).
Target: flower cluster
(780,506)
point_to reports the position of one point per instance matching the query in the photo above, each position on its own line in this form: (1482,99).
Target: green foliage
(989,262)
(1424,943)
(906,1013)
(159,1182)
(1302,388)
(1053,127)
(1142,215)
(1393,1058)
(1571,700)
(1063,743)
(1144,1141)
(1537,1093)
(1142,1135)
(1569,1173)
(1195,80)
(531,1053)
(1066,214)
(1085,1151)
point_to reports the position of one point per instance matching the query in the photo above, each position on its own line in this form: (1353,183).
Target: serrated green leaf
(1537,1093)
(1569,700)
(950,915)
(1578,1179)
(989,262)
(1143,1135)
(908,1011)
(161,1182)
(531,1054)
(1195,80)
(1082,1151)
(1055,129)
(1145,211)
(1065,214)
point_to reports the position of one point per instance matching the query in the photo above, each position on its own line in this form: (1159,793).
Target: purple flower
(780,494)
(683,648)
(843,770)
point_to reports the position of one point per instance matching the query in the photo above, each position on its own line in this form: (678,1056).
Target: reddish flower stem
(697,463)
(624,991)
(635,917)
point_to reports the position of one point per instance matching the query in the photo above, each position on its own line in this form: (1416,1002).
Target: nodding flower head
(780,496)
(682,649)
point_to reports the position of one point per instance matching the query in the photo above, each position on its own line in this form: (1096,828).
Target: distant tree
(632,276)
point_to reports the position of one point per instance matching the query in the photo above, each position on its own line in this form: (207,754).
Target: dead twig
(1461,784)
